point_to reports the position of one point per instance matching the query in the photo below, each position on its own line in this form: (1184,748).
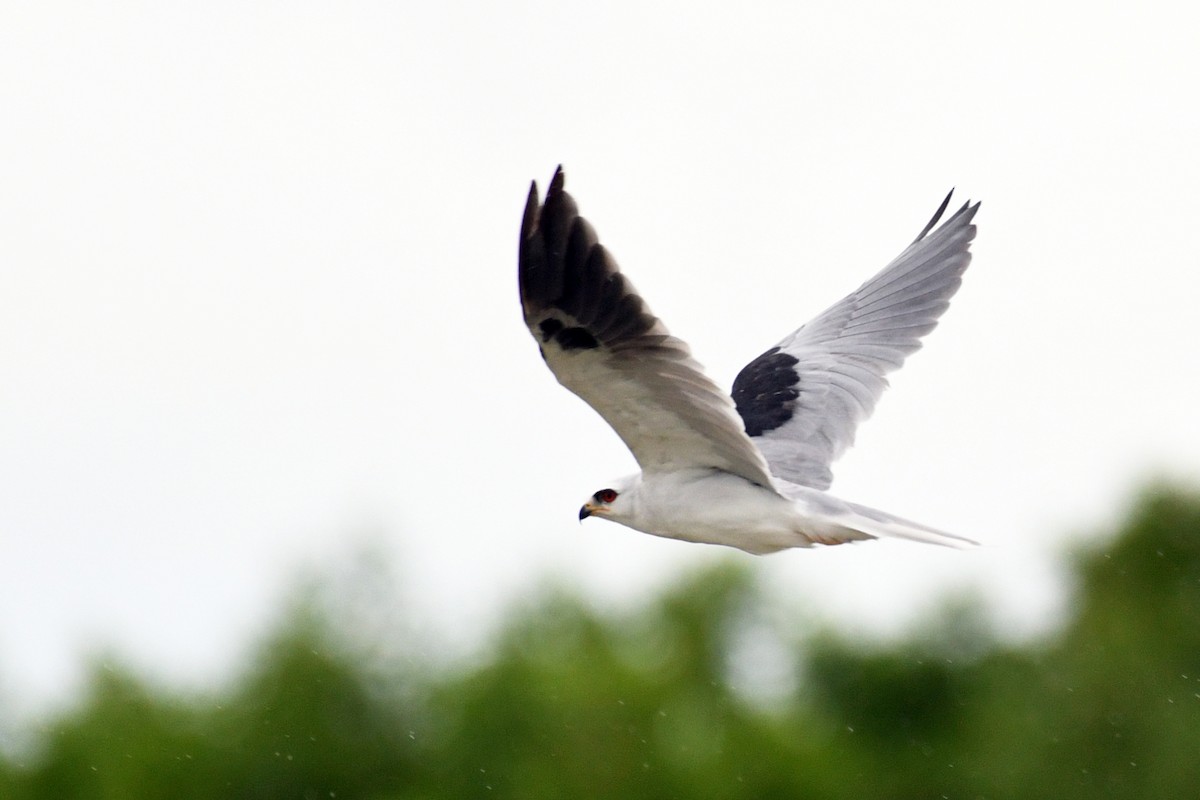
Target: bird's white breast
(717,507)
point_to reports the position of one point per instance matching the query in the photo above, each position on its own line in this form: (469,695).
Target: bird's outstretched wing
(802,399)
(602,342)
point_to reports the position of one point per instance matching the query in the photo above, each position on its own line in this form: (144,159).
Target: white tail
(881,524)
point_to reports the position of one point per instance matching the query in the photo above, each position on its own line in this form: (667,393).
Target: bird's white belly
(718,508)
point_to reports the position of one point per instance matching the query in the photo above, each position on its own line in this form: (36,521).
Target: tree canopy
(571,701)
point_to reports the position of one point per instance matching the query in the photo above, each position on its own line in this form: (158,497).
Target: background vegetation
(695,695)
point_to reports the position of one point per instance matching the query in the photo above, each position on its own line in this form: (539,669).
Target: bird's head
(614,502)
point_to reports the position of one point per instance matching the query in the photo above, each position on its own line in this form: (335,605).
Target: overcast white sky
(258,303)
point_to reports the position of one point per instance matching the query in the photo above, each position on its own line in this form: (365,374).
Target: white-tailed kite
(748,471)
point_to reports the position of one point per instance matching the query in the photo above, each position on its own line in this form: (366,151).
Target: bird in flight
(748,471)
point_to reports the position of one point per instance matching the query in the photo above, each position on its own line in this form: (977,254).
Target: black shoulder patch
(765,391)
(549,327)
(576,339)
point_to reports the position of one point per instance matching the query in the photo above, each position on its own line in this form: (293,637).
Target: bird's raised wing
(802,399)
(601,342)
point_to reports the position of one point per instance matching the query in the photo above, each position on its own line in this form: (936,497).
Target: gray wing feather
(601,341)
(803,399)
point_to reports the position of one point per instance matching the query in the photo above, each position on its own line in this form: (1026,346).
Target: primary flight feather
(747,471)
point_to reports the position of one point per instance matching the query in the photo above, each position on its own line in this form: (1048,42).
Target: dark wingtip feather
(545,233)
(967,212)
(530,220)
(937,215)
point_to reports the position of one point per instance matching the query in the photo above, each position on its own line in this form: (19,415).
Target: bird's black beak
(584,513)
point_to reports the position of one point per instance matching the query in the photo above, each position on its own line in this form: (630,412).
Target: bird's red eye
(605,495)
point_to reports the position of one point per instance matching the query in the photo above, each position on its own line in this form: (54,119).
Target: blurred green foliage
(574,703)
